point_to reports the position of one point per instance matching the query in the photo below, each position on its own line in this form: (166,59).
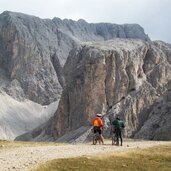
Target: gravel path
(25,158)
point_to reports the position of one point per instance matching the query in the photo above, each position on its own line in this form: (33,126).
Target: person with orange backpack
(98,126)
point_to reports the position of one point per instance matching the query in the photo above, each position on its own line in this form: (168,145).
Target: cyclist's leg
(95,136)
(101,136)
(117,137)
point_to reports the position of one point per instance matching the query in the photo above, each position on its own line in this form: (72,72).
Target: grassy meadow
(152,159)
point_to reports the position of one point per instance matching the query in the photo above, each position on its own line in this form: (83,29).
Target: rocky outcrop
(26,56)
(158,126)
(125,77)
(33,50)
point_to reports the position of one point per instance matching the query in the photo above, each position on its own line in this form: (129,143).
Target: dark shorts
(98,129)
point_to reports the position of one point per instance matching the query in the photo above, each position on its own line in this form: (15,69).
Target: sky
(153,15)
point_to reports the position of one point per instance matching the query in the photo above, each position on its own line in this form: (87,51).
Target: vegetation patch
(151,159)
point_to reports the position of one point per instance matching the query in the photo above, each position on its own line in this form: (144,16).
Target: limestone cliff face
(33,50)
(127,76)
(131,78)
(26,56)
(158,125)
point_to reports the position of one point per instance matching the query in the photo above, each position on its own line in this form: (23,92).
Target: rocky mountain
(33,50)
(91,68)
(131,78)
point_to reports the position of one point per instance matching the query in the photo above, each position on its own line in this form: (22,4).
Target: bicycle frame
(96,138)
(114,139)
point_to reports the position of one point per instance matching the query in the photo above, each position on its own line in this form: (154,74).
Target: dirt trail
(25,158)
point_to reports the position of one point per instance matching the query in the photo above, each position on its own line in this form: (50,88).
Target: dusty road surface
(27,157)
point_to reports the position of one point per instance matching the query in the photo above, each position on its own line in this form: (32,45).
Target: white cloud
(153,15)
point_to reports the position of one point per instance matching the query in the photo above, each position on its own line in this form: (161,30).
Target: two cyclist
(118,126)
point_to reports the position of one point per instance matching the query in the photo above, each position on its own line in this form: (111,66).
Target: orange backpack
(97,122)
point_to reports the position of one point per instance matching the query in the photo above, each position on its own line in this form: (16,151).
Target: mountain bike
(96,138)
(114,139)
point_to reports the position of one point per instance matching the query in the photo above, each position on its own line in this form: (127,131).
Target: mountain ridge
(89,67)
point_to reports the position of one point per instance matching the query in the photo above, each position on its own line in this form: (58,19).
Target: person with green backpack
(118,127)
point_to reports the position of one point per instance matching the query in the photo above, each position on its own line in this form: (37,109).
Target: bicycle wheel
(95,140)
(113,139)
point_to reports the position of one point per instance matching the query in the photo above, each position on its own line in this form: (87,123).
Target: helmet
(99,115)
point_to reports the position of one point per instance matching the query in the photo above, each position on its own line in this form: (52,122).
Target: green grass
(152,159)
